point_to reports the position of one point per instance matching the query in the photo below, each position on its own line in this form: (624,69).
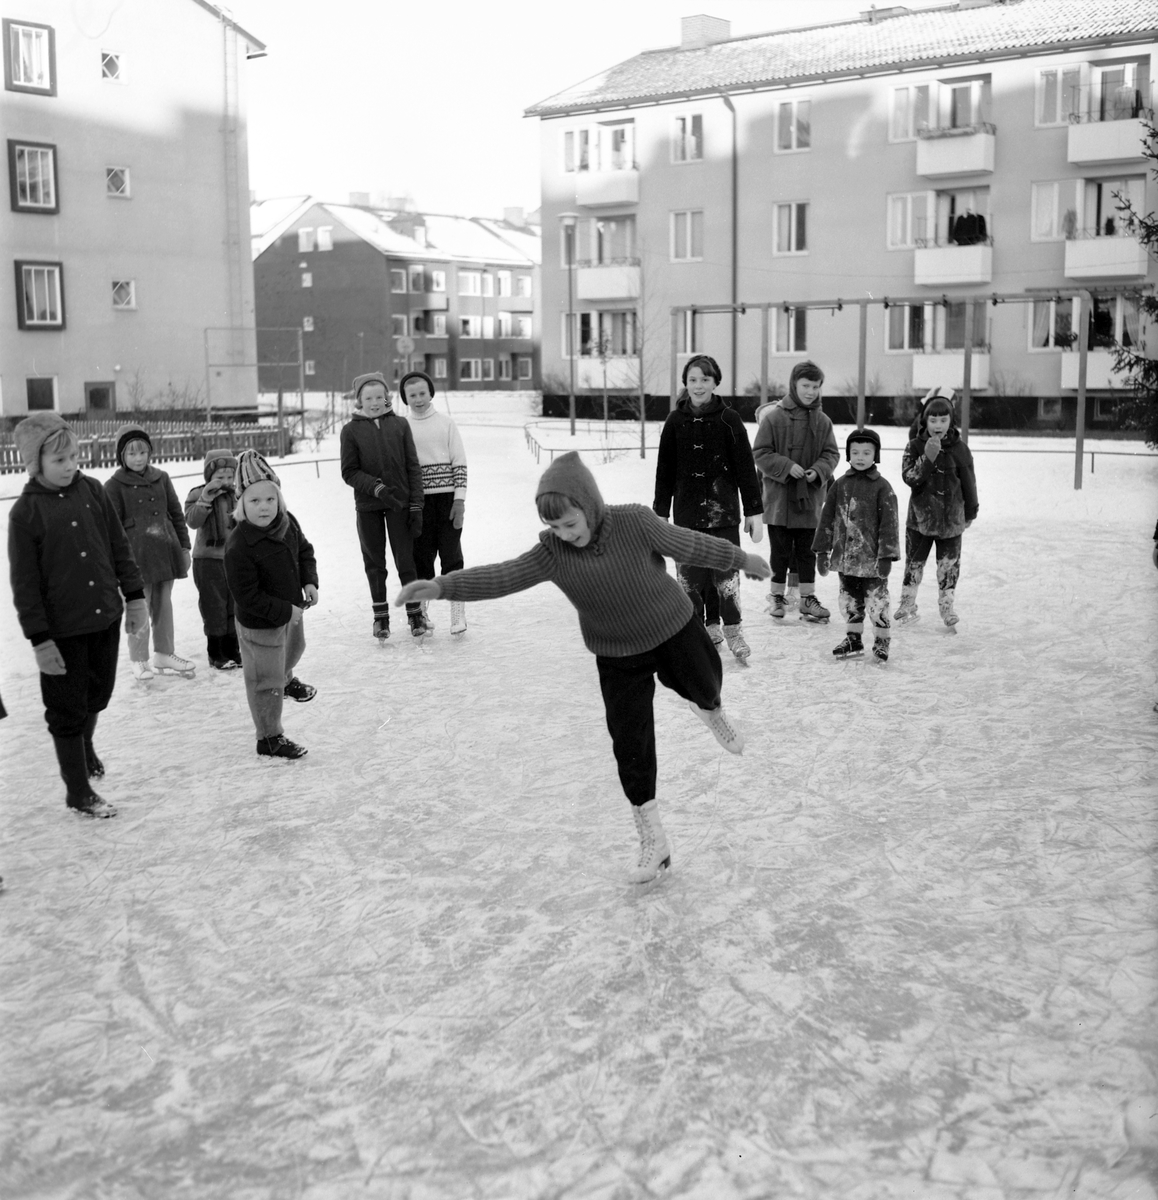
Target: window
(687,236)
(307,279)
(962,217)
(398,325)
(1119,91)
(488,370)
(577,150)
(488,283)
(962,102)
(469,283)
(688,333)
(41,393)
(1114,321)
(307,324)
(951,322)
(40,295)
(471,327)
(117,182)
(417,324)
(101,396)
(909,220)
(124,293)
(687,139)
(600,241)
(325,237)
(1105,408)
(617,145)
(791,336)
(439,367)
(504,282)
(436,324)
(29,58)
(907,325)
(418,279)
(910,112)
(524,366)
(309,366)
(397,280)
(1049,408)
(793,126)
(604,334)
(1053,325)
(791,229)
(1059,95)
(523,285)
(470,369)
(488,327)
(522,326)
(32,176)
(1054,210)
(111,67)
(438,281)
(505,373)
(506,324)
(1103,202)
(305,240)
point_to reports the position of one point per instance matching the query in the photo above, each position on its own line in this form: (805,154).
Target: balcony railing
(1116,255)
(932,132)
(940,263)
(961,150)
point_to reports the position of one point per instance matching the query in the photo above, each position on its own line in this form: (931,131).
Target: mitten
(821,564)
(136,616)
(49,659)
(932,449)
(884,566)
(457,513)
(187,555)
(414,524)
(754,527)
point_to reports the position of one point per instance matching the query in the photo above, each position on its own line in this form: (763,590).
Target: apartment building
(349,288)
(931,154)
(127,226)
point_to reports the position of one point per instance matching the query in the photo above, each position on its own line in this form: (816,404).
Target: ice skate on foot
(91,805)
(142,672)
(722,728)
(716,634)
(654,851)
(382,628)
(881,650)
(417,625)
(851,647)
(457,618)
(736,643)
(906,615)
(171,664)
(301,692)
(813,611)
(778,607)
(945,607)
(224,664)
(426,616)
(279,746)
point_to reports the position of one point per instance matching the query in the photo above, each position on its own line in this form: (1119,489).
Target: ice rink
(906,951)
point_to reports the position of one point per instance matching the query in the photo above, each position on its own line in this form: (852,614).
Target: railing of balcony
(607,262)
(1094,104)
(930,132)
(929,243)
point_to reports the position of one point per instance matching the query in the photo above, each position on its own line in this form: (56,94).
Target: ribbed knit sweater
(440,453)
(618,582)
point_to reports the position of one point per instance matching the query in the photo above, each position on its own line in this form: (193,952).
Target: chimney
(361,199)
(699,31)
(515,216)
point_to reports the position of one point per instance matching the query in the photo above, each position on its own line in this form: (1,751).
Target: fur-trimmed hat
(252,468)
(32,433)
(863,435)
(360,382)
(131,433)
(414,375)
(216,459)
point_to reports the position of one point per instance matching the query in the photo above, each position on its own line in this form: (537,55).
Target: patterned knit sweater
(627,601)
(440,453)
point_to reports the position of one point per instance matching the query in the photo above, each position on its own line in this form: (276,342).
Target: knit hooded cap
(808,367)
(360,382)
(415,375)
(252,468)
(216,459)
(32,433)
(131,433)
(569,476)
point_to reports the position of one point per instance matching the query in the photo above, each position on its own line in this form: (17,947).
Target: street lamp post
(569,220)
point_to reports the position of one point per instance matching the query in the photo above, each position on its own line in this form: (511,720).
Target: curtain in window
(901,123)
(784,128)
(1130,322)
(1041,323)
(916,327)
(803,124)
(1045,210)
(897,327)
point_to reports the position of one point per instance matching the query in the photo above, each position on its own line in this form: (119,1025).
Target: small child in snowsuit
(70,564)
(154,523)
(442,459)
(704,461)
(634,617)
(273,576)
(209,510)
(859,527)
(380,463)
(938,468)
(795,452)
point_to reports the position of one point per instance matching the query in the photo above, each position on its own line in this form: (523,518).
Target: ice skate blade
(907,620)
(637,880)
(813,620)
(162,672)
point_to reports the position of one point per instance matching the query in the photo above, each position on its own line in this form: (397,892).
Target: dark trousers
(859,594)
(790,547)
(687,663)
(214,601)
(917,547)
(84,690)
(438,537)
(373,526)
(715,595)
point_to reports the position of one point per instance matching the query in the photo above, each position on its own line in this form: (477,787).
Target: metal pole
(861,359)
(208,373)
(280,426)
(571,318)
(763,356)
(302,383)
(735,238)
(967,370)
(1087,302)
(675,329)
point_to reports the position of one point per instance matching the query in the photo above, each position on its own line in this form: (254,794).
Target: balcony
(948,367)
(617,280)
(939,265)
(429,301)
(1099,370)
(1092,141)
(595,189)
(1116,257)
(966,151)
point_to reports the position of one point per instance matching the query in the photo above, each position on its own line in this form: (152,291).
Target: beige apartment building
(127,227)
(931,154)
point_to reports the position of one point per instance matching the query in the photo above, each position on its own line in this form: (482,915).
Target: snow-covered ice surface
(906,950)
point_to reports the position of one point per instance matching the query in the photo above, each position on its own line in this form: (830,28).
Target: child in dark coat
(273,576)
(380,462)
(209,510)
(938,468)
(634,617)
(859,529)
(704,461)
(71,563)
(154,523)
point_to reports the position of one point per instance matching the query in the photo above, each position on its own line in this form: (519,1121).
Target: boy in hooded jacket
(795,452)
(938,468)
(209,511)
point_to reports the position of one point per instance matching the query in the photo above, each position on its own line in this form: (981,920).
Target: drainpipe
(1087,300)
(735,237)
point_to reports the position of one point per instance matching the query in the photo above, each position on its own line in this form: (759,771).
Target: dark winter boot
(231,648)
(216,652)
(279,746)
(881,650)
(850,647)
(96,768)
(74,771)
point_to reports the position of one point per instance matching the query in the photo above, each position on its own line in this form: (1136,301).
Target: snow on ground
(907,947)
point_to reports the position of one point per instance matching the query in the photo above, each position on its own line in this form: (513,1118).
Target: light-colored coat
(790,433)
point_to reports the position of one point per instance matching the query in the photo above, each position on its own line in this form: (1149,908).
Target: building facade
(127,227)
(934,155)
(351,288)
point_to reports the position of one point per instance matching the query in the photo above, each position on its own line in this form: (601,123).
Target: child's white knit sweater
(440,453)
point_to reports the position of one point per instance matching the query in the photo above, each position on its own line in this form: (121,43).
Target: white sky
(427,99)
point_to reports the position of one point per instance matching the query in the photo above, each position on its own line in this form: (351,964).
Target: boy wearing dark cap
(70,565)
(209,510)
(859,529)
(380,463)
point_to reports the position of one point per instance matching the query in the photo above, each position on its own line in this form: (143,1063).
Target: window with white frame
(1114,321)
(688,333)
(470,369)
(1054,210)
(687,139)
(488,370)
(506,324)
(470,327)
(1059,95)
(438,281)
(906,328)
(962,217)
(504,282)
(1052,325)
(487,280)
(523,285)
(418,279)
(325,237)
(910,112)
(793,125)
(522,327)
(29,57)
(307,279)
(307,324)
(305,240)
(310,366)
(524,363)
(124,293)
(602,241)
(41,295)
(791,228)
(791,332)
(436,324)
(951,324)
(505,372)
(488,326)
(610,334)
(687,235)
(117,182)
(577,150)
(962,103)
(1104,204)
(616,145)
(112,66)
(398,325)
(397,280)
(469,283)
(32,172)
(909,219)
(439,366)
(1119,91)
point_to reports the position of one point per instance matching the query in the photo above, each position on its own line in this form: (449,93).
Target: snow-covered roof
(934,35)
(526,239)
(269,219)
(472,238)
(370,225)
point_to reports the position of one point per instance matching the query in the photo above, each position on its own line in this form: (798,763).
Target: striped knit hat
(252,468)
